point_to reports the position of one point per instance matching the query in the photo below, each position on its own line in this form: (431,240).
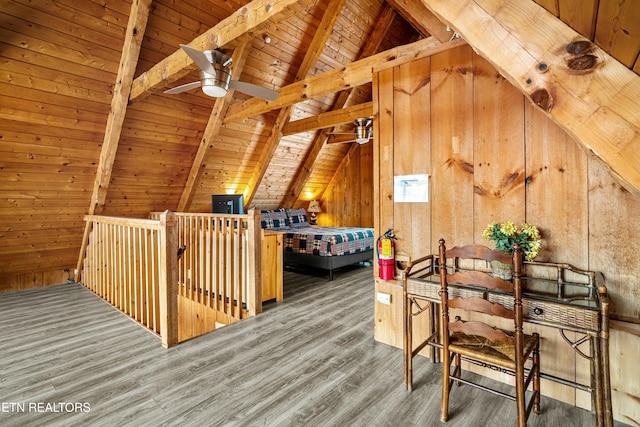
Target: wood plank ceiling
(85,127)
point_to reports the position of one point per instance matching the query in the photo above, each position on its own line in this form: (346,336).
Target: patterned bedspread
(329,241)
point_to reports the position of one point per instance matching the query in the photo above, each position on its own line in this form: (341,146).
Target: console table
(556,295)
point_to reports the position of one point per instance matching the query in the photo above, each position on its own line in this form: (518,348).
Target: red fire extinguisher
(386,254)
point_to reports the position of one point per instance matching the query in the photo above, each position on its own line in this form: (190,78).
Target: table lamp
(314,208)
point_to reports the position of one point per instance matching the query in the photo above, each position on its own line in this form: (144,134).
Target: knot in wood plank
(543,99)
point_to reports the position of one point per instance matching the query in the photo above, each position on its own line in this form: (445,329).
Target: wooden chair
(469,339)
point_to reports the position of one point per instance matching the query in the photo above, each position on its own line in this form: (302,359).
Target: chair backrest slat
(480,279)
(483,330)
(481,305)
(479,252)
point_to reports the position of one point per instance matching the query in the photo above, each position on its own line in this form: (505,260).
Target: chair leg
(536,380)
(446,367)
(520,395)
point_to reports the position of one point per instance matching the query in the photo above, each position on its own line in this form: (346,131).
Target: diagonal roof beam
(229,33)
(384,21)
(136,26)
(211,130)
(314,51)
(576,84)
(351,75)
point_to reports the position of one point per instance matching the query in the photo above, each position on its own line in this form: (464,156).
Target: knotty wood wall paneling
(554,160)
(451,186)
(348,200)
(352,191)
(614,227)
(614,242)
(498,134)
(383,138)
(411,104)
(616,39)
(366,183)
(333,202)
(58,67)
(511,162)
(579,15)
(556,190)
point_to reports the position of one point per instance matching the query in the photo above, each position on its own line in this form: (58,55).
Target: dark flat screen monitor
(227,203)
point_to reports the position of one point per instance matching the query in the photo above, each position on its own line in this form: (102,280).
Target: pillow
(298,218)
(274,219)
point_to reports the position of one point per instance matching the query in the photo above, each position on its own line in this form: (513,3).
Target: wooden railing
(144,267)
(219,266)
(132,264)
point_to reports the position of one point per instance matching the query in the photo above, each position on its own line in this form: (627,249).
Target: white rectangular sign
(411,188)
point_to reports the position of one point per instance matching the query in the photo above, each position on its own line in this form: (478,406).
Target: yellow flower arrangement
(505,235)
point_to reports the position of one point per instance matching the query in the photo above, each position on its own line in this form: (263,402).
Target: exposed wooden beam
(421,18)
(136,26)
(580,87)
(352,75)
(128,61)
(329,119)
(314,51)
(212,129)
(230,32)
(384,21)
(341,139)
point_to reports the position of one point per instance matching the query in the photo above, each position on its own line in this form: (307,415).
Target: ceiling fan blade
(199,58)
(182,88)
(254,90)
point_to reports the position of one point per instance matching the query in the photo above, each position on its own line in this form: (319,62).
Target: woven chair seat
(482,349)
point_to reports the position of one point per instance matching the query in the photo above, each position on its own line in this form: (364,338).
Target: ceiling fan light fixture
(360,140)
(363,131)
(214,91)
(216,84)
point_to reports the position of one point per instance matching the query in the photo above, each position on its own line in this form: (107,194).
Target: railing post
(168,279)
(254,297)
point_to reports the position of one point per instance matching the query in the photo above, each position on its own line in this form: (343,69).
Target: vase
(502,270)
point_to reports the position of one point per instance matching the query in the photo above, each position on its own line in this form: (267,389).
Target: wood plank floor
(310,360)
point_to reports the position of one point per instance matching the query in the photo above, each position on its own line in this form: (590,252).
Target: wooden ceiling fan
(361,133)
(215,76)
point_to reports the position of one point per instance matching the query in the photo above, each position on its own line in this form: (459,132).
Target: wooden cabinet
(272,265)
(389,317)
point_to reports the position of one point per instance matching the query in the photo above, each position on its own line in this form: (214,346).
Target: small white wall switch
(383,298)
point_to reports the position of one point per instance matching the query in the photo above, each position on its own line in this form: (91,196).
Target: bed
(311,246)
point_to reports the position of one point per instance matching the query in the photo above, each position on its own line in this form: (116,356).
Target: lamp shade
(314,206)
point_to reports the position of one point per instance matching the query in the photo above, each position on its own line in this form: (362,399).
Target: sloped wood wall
(348,199)
(492,156)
